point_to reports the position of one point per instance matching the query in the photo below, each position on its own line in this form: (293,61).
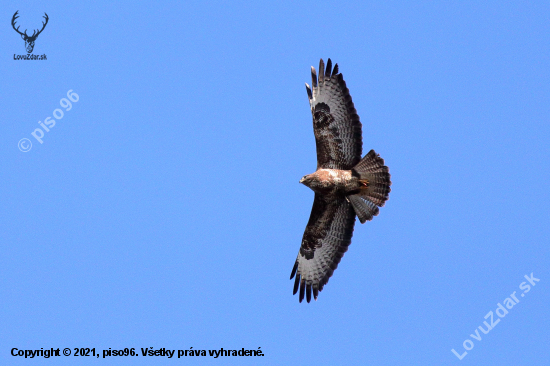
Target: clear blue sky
(164,210)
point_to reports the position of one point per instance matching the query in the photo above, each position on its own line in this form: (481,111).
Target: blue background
(164,210)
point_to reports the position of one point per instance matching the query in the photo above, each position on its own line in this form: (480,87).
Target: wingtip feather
(294,270)
(313,77)
(296,284)
(308,89)
(329,68)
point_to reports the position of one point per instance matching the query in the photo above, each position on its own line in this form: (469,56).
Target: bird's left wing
(336,124)
(326,239)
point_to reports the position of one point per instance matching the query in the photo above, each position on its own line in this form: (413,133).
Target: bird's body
(331,182)
(345,185)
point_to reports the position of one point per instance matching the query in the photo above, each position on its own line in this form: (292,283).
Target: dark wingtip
(294,270)
(302,290)
(309,94)
(335,70)
(313,77)
(308,292)
(329,68)
(321,71)
(296,284)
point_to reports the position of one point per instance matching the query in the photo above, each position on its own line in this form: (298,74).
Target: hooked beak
(302,180)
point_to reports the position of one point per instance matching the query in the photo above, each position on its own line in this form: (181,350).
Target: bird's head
(306,180)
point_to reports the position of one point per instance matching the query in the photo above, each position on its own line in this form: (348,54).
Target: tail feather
(375,177)
(371,163)
(364,208)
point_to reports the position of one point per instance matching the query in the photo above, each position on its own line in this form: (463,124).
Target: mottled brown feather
(326,239)
(336,125)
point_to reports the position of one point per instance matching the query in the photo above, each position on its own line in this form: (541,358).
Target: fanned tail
(374,177)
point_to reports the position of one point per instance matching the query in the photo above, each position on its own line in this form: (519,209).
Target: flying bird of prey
(345,185)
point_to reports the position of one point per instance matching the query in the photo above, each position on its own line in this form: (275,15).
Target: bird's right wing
(326,239)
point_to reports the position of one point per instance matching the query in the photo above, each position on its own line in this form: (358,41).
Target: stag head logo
(29,40)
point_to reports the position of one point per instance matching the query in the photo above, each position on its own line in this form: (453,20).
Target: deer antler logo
(29,40)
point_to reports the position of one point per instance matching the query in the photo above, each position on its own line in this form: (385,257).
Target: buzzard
(345,185)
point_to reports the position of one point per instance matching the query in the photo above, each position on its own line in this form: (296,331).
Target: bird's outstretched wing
(335,121)
(326,239)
